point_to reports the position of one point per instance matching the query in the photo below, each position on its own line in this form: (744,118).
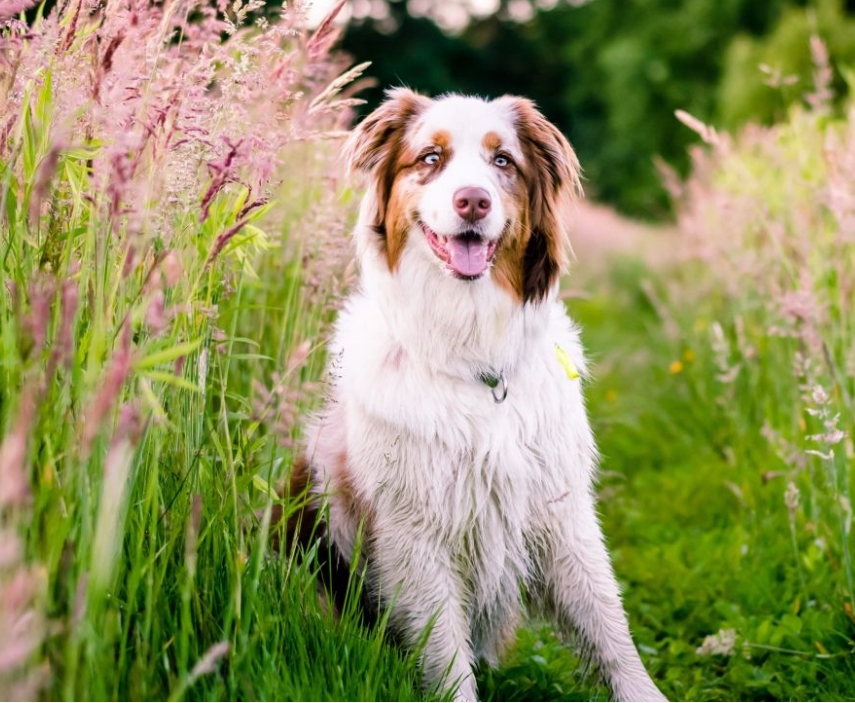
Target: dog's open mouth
(467,255)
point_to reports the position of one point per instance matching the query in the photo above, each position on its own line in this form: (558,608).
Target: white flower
(791,497)
(723,642)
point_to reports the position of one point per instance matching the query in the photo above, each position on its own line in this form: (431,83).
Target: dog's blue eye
(501,161)
(431,159)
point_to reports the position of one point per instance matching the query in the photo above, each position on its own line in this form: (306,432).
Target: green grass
(700,541)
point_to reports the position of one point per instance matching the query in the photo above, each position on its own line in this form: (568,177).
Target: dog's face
(474,188)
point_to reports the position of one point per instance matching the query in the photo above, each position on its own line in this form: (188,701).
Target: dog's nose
(472,204)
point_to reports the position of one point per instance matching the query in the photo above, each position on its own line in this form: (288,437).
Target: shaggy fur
(467,504)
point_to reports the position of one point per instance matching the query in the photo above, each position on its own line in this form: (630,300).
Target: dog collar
(497,383)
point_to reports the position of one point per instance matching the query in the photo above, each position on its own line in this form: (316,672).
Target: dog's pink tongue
(468,255)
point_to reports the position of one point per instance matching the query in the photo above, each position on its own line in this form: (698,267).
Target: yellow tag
(566,363)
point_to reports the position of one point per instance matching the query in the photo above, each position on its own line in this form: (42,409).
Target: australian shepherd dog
(454,441)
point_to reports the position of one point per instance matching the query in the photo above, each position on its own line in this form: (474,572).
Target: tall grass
(724,411)
(172,235)
(769,217)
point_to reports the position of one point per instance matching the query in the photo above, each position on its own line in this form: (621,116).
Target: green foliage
(747,93)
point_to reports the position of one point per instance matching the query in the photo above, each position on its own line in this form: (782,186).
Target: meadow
(173,244)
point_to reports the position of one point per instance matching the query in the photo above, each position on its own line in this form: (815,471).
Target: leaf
(262,485)
(165,355)
(792,623)
(173,380)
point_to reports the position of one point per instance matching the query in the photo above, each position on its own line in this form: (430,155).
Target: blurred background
(610,73)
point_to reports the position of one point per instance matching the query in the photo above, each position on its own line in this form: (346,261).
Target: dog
(454,450)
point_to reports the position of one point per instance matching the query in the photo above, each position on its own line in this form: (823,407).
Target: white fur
(469,499)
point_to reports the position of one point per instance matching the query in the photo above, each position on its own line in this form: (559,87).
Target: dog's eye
(431,159)
(502,161)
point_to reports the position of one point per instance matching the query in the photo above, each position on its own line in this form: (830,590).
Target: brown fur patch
(442,139)
(408,172)
(508,263)
(378,147)
(299,525)
(551,175)
(345,497)
(399,217)
(491,142)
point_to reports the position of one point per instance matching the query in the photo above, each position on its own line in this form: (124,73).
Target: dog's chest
(464,473)
(436,460)
(472,504)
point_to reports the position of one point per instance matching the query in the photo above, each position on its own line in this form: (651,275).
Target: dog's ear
(552,176)
(375,144)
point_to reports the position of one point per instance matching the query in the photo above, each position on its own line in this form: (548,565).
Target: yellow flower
(688,356)
(611,395)
(676,367)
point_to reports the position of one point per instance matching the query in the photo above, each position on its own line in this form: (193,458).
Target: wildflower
(299,355)
(224,239)
(14,483)
(154,314)
(46,171)
(776,78)
(191,538)
(10,8)
(117,374)
(210,660)
(170,266)
(203,369)
(63,346)
(819,395)
(688,356)
(822,96)
(727,372)
(223,172)
(10,549)
(325,34)
(722,643)
(108,530)
(675,367)
(40,295)
(791,498)
(704,131)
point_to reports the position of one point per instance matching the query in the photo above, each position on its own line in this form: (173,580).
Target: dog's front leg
(417,581)
(581,589)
